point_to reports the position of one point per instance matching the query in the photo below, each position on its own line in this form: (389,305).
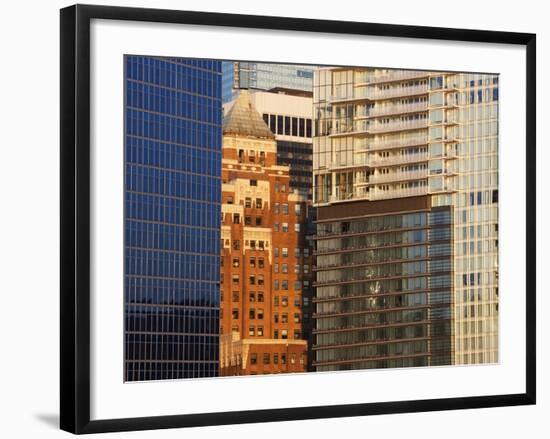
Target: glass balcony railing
(388,76)
(398,193)
(398,176)
(387,110)
(397,159)
(371,93)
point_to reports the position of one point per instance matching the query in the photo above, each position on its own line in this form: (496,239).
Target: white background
(29,256)
(111,398)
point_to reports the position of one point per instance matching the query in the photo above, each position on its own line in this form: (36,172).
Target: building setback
(263,237)
(405,182)
(171,217)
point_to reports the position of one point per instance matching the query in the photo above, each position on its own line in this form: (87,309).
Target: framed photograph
(273,218)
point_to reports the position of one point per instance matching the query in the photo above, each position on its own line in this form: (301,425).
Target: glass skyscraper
(173,142)
(391,146)
(264,76)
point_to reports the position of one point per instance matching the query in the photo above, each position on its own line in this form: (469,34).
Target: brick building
(264,255)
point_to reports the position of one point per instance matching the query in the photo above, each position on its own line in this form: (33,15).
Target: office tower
(238,75)
(171,217)
(263,228)
(405,182)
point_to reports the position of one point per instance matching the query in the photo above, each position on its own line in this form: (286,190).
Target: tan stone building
(264,253)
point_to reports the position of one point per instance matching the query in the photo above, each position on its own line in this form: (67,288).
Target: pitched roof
(243,119)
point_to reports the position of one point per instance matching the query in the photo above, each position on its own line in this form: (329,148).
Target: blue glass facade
(173,142)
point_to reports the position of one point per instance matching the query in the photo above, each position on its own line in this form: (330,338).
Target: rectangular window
(287,125)
(253,182)
(266,358)
(253,358)
(302,124)
(280,125)
(258,203)
(285,227)
(297,227)
(294,131)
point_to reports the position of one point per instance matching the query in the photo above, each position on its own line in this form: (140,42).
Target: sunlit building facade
(172,190)
(262,252)
(390,145)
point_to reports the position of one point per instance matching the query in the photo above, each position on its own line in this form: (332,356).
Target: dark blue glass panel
(172,203)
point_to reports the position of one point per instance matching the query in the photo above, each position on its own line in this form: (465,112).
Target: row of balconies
(371,127)
(371,93)
(387,110)
(378,77)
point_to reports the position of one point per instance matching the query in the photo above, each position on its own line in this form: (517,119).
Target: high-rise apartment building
(171,217)
(263,252)
(405,181)
(238,75)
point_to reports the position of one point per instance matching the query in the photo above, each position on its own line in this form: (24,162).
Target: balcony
(370,127)
(398,159)
(389,76)
(387,110)
(398,126)
(398,176)
(398,193)
(379,145)
(373,94)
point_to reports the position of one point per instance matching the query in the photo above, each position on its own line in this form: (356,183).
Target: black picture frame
(75,216)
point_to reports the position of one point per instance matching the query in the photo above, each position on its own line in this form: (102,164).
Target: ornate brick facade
(264,261)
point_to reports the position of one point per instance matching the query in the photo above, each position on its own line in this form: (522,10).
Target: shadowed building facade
(171,217)
(262,241)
